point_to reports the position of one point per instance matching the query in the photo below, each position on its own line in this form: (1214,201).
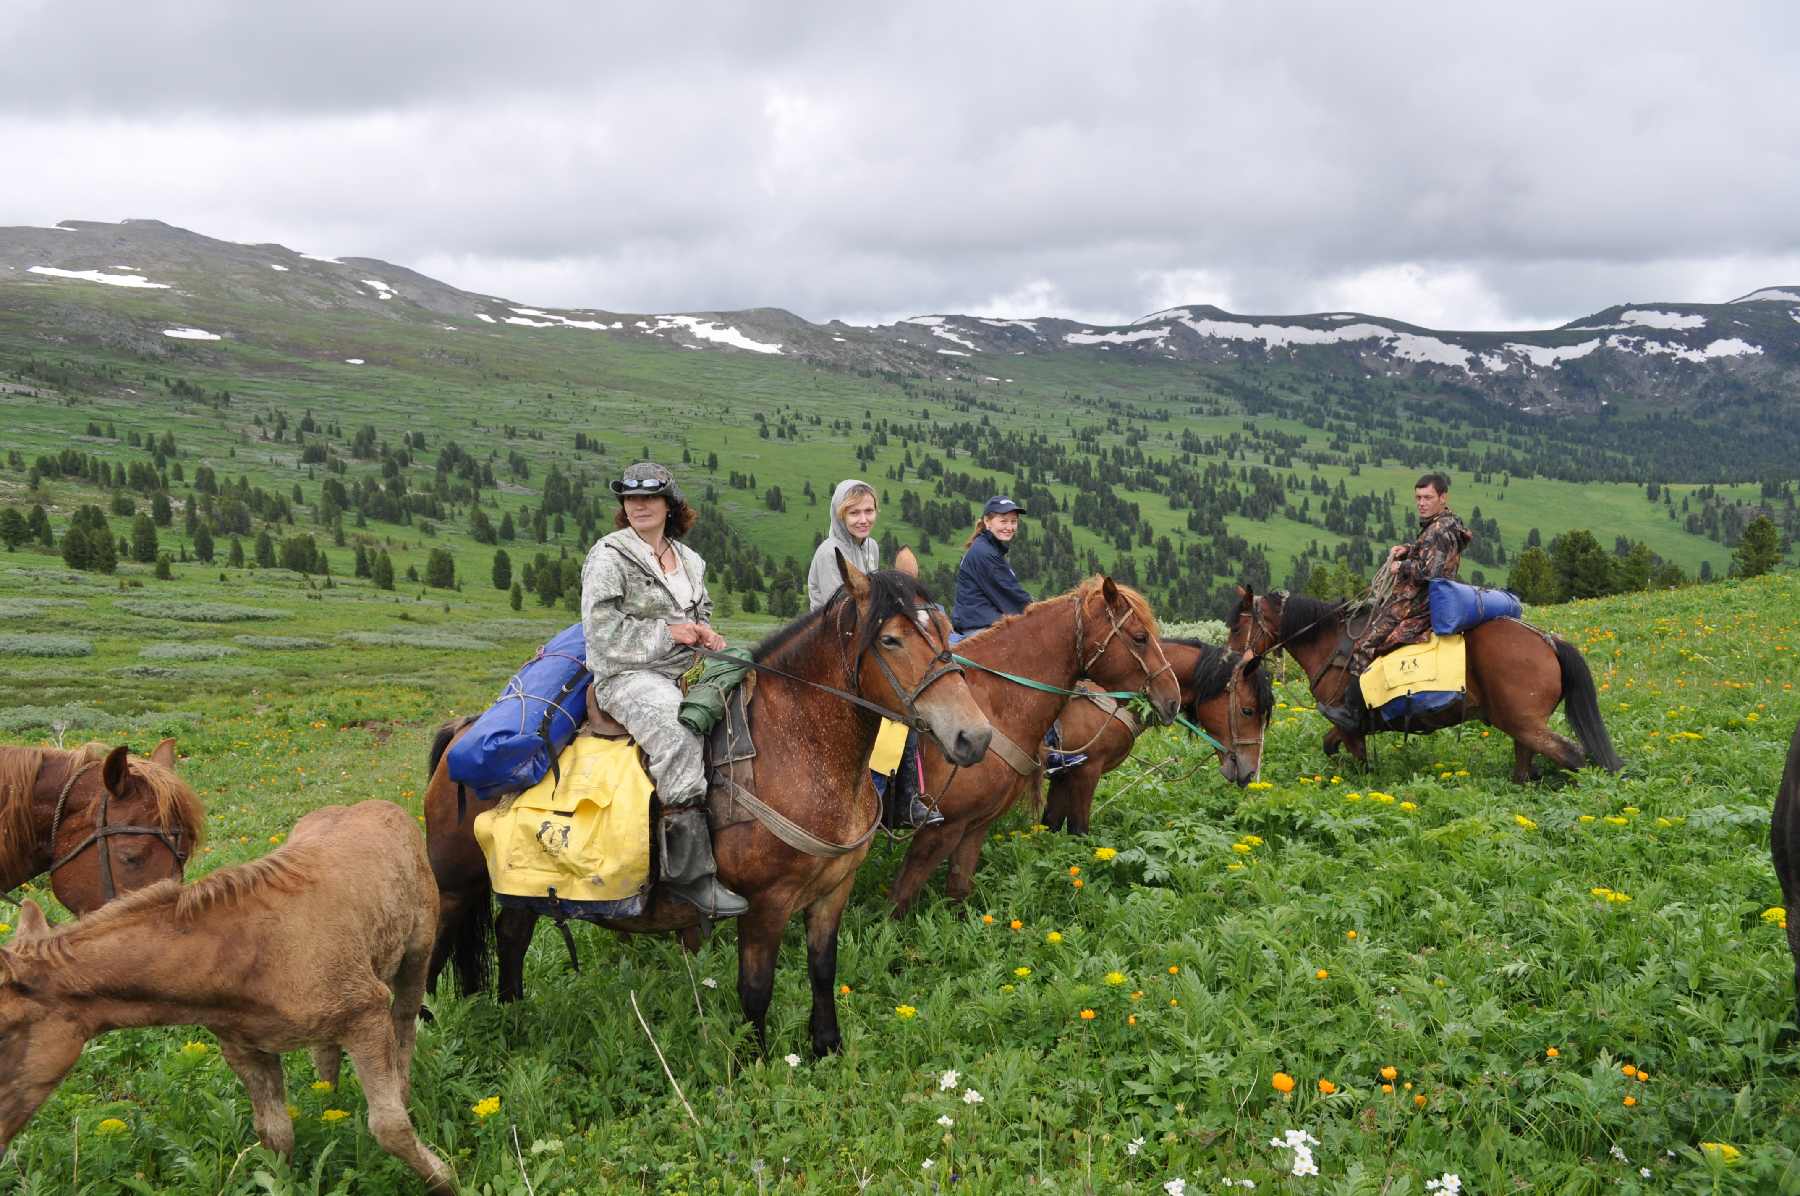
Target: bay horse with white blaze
(1099,630)
(1516,676)
(100,822)
(1229,697)
(811,766)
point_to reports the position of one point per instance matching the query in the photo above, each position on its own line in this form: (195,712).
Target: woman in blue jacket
(987,589)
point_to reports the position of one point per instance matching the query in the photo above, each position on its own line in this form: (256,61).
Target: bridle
(943,664)
(1118,618)
(1231,715)
(103,833)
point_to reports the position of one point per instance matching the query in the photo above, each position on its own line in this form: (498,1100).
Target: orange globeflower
(1389,1072)
(1282,1082)
(1326,1087)
(1087,1015)
(1419,1100)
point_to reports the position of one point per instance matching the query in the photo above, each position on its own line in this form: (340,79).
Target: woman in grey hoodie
(853,511)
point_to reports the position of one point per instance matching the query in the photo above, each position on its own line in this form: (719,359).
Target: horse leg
(260,1073)
(821,967)
(373,1051)
(1058,799)
(328,1060)
(1084,782)
(759,941)
(967,856)
(1524,766)
(1334,739)
(1542,740)
(512,933)
(931,846)
(408,984)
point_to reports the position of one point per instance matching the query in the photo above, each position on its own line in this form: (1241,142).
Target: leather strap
(791,832)
(1022,762)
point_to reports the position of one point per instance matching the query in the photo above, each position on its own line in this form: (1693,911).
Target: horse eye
(1142,637)
(890,641)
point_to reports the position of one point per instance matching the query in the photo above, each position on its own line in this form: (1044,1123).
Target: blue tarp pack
(510,747)
(1396,712)
(1456,607)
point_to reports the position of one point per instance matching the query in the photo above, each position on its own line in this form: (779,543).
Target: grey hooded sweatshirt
(823,579)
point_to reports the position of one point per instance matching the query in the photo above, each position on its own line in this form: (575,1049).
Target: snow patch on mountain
(483,316)
(191,334)
(1090,337)
(111,280)
(552,320)
(940,331)
(379,287)
(273,266)
(329,261)
(1769,295)
(1027,325)
(1724,347)
(1542,355)
(713,330)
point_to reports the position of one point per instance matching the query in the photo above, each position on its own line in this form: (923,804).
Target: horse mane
(1313,616)
(177,806)
(286,870)
(890,593)
(1083,590)
(1212,673)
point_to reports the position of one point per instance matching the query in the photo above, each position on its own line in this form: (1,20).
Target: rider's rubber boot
(688,870)
(1055,760)
(1352,714)
(908,806)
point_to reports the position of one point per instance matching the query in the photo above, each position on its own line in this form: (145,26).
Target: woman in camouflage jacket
(644,607)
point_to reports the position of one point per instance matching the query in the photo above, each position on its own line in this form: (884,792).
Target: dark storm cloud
(1453,167)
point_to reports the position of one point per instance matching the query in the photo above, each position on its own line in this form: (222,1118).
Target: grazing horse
(1099,630)
(1231,698)
(322,943)
(1784,846)
(1516,676)
(879,638)
(100,822)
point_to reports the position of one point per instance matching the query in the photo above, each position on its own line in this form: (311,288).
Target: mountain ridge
(1674,353)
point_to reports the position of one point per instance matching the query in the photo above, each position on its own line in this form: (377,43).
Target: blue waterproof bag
(511,746)
(1456,607)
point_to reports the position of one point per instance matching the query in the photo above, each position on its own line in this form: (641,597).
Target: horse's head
(1254,623)
(39,1039)
(128,823)
(1237,714)
(908,639)
(1117,646)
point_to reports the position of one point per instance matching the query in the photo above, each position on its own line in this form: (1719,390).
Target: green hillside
(1429,917)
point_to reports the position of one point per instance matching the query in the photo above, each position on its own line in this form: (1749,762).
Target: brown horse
(811,765)
(1099,630)
(1516,675)
(1230,697)
(100,822)
(323,943)
(1784,847)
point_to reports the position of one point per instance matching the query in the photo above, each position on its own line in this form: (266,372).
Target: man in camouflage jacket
(1437,552)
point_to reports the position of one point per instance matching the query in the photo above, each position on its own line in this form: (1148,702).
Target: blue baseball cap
(1001,505)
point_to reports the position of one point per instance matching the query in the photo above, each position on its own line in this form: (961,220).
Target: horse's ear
(32,923)
(116,771)
(164,754)
(905,562)
(1109,590)
(855,580)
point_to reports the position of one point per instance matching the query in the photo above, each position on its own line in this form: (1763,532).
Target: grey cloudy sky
(1458,166)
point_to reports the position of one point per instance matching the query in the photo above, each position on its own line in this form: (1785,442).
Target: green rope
(1040,686)
(1183,720)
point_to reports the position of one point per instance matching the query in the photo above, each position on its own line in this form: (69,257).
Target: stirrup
(1055,762)
(920,815)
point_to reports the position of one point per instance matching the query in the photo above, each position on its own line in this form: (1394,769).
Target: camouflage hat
(646,478)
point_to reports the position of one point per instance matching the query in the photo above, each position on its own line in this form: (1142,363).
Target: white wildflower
(1133,1146)
(1644,1171)
(1301,1143)
(709,982)
(1450,1183)
(946,1121)
(1618,1154)
(928,1164)
(792,1060)
(1176,1186)
(947,1081)
(971,1097)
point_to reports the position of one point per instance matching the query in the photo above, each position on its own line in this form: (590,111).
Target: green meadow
(1576,985)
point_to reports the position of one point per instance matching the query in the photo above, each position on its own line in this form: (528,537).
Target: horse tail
(1581,702)
(472,941)
(440,743)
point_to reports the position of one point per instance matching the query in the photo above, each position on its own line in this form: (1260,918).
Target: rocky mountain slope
(1676,355)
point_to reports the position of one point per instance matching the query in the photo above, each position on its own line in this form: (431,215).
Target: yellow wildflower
(1775,913)
(1388,1088)
(1321,974)
(1408,806)
(1087,1015)
(1252,840)
(1115,978)
(1551,1052)
(1630,1101)
(843,990)
(112,1125)
(1350,934)
(1725,1152)
(1021,971)
(1632,810)
(1585,818)
(1389,1072)
(987,919)
(194,1049)
(485,1107)
(1105,853)
(905,1012)
(1524,823)
(331,1115)
(1015,924)
(1054,937)
(1241,848)
(322,1085)
(1174,969)
(1074,869)
(1259,786)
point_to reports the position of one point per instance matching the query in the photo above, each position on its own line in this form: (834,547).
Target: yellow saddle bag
(1438,665)
(890,742)
(584,830)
